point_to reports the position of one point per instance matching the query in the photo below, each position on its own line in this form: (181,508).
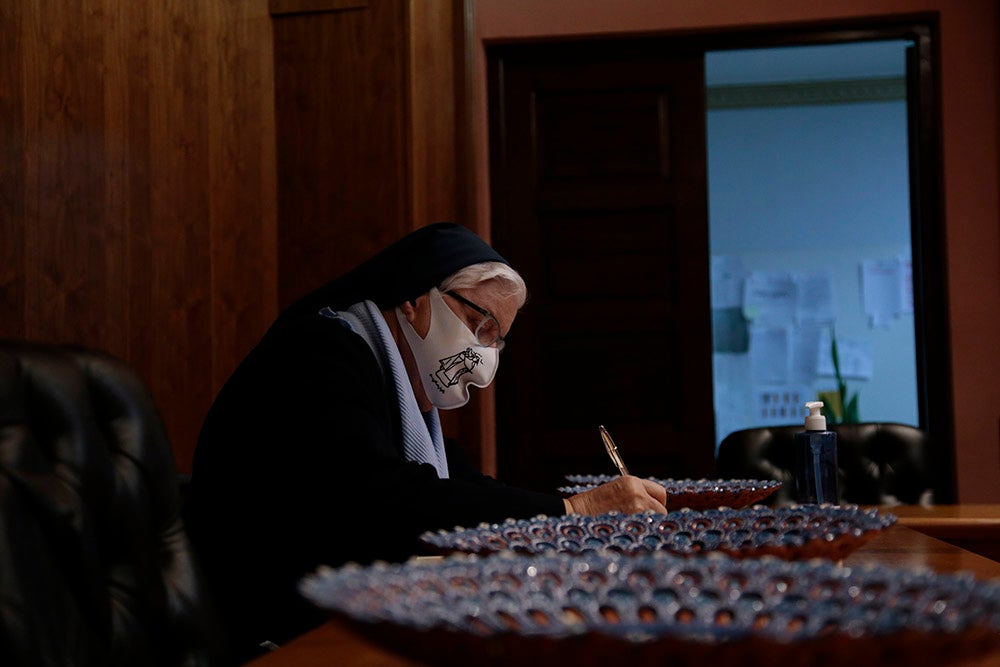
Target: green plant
(847,410)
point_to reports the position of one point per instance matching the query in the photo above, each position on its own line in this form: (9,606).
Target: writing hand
(627,494)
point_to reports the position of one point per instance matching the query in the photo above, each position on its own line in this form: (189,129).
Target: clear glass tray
(696,494)
(795,532)
(661,609)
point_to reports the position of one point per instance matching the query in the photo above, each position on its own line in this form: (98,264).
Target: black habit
(300,459)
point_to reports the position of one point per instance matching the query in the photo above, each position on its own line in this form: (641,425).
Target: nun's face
(482,309)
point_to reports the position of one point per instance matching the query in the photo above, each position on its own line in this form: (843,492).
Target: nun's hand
(627,494)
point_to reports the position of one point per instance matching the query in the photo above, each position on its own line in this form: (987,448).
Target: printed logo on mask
(454,367)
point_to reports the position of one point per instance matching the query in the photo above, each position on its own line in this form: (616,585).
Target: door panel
(599,199)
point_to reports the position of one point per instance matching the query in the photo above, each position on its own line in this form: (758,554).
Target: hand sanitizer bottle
(816,460)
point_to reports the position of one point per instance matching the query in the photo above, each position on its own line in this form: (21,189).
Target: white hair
(509,282)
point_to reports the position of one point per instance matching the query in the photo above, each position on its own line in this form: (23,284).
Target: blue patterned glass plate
(660,609)
(795,532)
(696,494)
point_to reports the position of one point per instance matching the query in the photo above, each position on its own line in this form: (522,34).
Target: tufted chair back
(95,568)
(880,463)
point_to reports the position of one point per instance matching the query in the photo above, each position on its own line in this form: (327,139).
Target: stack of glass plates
(796,532)
(696,494)
(662,609)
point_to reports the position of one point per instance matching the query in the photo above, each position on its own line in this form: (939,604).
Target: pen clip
(609,445)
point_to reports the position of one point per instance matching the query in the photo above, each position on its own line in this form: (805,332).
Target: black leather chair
(879,463)
(95,567)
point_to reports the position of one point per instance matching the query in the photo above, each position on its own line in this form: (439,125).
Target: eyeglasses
(488,329)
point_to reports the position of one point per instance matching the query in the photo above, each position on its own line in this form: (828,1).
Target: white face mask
(450,358)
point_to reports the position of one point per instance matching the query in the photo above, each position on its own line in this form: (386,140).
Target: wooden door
(599,198)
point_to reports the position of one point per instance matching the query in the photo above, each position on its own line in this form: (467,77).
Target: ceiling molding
(805,93)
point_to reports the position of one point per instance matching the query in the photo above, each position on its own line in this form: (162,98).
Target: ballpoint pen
(609,445)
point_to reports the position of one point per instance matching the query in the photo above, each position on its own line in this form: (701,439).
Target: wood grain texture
(178,239)
(432,109)
(611,237)
(301,6)
(241,95)
(138,188)
(340,91)
(146,150)
(73,256)
(12,174)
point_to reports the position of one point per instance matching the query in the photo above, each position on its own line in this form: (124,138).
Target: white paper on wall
(813,297)
(805,351)
(770,354)
(769,298)
(856,357)
(886,289)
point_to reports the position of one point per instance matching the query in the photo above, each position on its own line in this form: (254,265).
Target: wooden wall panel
(140,152)
(340,91)
(138,196)
(179,223)
(242,159)
(12,168)
(74,255)
(366,132)
(434,33)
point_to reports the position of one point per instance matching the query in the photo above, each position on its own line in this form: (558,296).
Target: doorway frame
(927,224)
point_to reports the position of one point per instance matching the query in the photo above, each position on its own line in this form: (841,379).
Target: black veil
(402,271)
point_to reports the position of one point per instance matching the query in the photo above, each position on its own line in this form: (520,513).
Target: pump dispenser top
(815,421)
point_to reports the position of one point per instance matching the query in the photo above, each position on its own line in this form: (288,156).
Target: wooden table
(334,644)
(973,527)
